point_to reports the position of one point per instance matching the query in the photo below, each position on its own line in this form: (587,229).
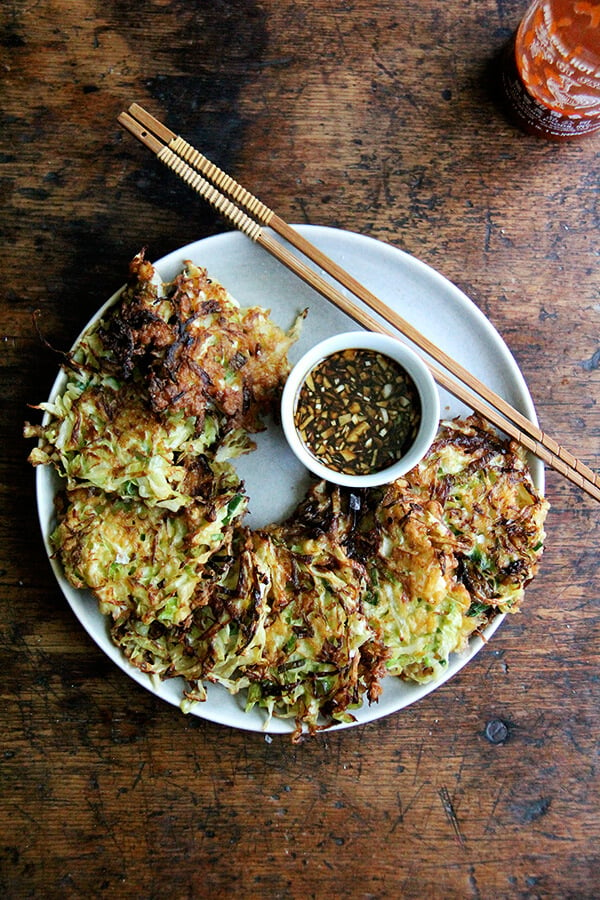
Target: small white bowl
(409,361)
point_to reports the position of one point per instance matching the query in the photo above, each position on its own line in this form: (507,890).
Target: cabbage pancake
(195,349)
(458,540)
(164,390)
(302,619)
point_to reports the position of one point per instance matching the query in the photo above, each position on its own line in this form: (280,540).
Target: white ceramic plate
(274,479)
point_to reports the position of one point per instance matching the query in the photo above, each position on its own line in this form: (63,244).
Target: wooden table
(375,117)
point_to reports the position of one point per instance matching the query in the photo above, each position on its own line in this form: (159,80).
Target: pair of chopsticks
(250,216)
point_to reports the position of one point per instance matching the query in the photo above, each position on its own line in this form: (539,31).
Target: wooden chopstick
(195,169)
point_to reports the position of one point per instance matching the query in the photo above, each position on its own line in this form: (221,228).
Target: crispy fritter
(490,504)
(168,385)
(196,349)
(415,598)
(144,561)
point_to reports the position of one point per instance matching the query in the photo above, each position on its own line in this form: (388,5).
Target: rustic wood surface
(368,115)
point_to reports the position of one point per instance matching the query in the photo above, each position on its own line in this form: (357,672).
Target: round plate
(422,296)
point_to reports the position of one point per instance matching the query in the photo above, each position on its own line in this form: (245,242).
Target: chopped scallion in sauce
(358,411)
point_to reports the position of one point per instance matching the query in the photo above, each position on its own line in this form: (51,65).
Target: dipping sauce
(357,411)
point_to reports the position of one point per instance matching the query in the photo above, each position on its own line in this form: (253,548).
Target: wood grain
(379,118)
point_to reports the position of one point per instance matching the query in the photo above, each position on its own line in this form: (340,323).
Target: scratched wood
(370,116)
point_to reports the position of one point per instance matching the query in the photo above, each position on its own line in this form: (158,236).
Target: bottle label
(535,117)
(557,54)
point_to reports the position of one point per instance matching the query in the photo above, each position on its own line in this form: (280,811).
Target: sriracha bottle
(551,73)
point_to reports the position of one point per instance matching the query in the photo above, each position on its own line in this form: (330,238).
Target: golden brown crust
(196,349)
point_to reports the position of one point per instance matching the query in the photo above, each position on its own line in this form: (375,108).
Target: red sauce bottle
(551,76)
